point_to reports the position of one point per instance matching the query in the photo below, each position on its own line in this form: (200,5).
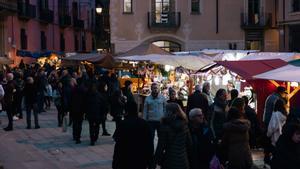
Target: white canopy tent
(272,55)
(187,61)
(230,55)
(288,73)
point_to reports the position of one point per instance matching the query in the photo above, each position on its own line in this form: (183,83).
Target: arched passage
(167,45)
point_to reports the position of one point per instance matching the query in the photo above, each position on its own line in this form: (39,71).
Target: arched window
(168,45)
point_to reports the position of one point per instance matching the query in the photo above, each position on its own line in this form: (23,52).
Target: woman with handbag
(174,140)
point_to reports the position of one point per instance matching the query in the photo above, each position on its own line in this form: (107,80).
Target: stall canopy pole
(138,91)
(289,92)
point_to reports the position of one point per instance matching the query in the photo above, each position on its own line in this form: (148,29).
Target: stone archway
(166,42)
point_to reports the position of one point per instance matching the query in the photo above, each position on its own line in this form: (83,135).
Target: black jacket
(174,146)
(76,103)
(30,94)
(95,107)
(203,148)
(197,100)
(134,146)
(286,155)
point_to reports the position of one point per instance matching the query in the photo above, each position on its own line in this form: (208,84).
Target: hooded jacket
(236,143)
(174,145)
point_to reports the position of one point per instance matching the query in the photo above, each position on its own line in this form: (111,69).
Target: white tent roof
(288,73)
(272,55)
(187,61)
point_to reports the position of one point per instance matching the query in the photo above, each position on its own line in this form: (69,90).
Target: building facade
(178,25)
(289,24)
(47,25)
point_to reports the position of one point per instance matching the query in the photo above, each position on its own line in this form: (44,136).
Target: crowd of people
(210,132)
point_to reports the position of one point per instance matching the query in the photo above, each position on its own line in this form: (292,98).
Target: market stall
(49,57)
(289,74)
(153,64)
(247,69)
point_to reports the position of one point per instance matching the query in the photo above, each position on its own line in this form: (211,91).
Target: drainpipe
(53,27)
(217,16)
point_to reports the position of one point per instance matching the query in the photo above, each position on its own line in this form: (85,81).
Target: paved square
(50,148)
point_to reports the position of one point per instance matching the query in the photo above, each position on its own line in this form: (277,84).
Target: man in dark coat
(197,100)
(133,148)
(30,96)
(203,148)
(94,104)
(8,100)
(76,110)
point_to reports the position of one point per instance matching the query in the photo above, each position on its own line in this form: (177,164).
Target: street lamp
(98,9)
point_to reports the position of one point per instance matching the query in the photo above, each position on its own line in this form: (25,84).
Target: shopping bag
(65,123)
(215,163)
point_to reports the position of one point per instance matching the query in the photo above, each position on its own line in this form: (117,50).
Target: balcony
(26,11)
(161,21)
(77,23)
(8,5)
(64,21)
(256,21)
(46,16)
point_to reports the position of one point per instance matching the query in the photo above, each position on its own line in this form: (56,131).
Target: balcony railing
(46,15)
(77,23)
(64,20)
(9,5)
(26,11)
(252,21)
(164,20)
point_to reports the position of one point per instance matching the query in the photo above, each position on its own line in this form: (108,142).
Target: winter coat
(76,102)
(275,126)
(30,94)
(197,100)
(174,145)
(235,142)
(117,104)
(9,89)
(286,154)
(218,117)
(203,148)
(95,106)
(134,147)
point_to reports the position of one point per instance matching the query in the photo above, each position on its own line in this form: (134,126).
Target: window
(296,5)
(62,42)
(43,41)
(195,6)
(43,4)
(83,44)
(23,39)
(162,6)
(127,6)
(168,46)
(162,11)
(63,7)
(76,45)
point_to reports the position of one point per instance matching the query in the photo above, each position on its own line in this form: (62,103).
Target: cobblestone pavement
(50,148)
